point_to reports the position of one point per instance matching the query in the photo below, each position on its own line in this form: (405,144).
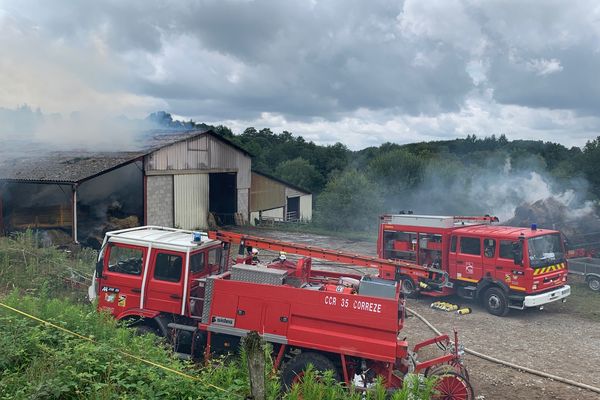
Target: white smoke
(498,189)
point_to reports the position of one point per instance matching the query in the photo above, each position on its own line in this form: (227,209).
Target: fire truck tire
(495,301)
(594,283)
(408,287)
(294,369)
(145,329)
(453,385)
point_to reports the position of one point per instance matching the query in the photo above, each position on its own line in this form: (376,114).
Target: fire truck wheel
(293,370)
(145,329)
(495,301)
(453,386)
(408,288)
(594,283)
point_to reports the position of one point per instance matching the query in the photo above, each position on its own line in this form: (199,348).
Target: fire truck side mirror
(517,250)
(99,267)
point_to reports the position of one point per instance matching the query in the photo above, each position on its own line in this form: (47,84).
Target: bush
(41,362)
(350,201)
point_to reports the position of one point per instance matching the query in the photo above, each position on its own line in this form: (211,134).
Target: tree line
(351,188)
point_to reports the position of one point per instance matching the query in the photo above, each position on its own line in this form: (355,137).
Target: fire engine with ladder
(504,267)
(180,285)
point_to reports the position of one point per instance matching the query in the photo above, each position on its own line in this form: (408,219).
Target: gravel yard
(559,340)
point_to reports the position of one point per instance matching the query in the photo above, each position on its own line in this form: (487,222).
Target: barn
(189,180)
(273,199)
(70,194)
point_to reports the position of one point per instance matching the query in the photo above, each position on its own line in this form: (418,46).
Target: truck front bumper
(548,297)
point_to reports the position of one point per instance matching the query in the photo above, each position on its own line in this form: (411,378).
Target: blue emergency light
(197,237)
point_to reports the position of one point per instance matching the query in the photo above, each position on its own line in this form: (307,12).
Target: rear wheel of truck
(145,329)
(408,287)
(495,301)
(293,371)
(594,283)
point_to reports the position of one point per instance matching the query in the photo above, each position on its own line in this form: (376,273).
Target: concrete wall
(159,200)
(276,213)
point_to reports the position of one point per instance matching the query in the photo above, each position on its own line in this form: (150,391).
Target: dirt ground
(554,340)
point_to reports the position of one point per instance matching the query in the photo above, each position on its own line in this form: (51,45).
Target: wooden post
(255,353)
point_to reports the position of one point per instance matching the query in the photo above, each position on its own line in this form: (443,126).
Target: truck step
(182,327)
(467,292)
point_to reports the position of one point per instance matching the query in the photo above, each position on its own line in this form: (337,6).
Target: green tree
(350,201)
(302,173)
(397,170)
(591,164)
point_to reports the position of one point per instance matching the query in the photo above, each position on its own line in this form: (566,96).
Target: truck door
(121,281)
(164,288)
(469,265)
(490,257)
(506,270)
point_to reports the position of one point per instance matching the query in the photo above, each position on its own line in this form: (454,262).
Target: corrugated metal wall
(306,207)
(202,153)
(191,201)
(189,154)
(266,193)
(223,156)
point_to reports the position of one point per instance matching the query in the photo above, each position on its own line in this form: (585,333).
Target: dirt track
(552,340)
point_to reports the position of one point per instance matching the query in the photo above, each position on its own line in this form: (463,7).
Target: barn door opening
(293,209)
(222,201)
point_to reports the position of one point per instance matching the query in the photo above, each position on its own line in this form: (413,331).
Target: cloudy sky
(354,71)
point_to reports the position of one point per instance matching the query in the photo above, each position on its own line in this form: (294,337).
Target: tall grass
(31,268)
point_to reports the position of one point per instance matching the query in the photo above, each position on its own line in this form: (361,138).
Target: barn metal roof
(75,167)
(155,140)
(63,167)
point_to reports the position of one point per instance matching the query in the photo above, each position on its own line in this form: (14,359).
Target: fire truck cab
(505,267)
(152,271)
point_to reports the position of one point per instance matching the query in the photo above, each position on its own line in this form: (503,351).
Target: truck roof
(499,230)
(161,238)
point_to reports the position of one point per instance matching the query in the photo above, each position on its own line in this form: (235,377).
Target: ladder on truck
(387,269)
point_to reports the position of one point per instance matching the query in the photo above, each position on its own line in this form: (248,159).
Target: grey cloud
(318,61)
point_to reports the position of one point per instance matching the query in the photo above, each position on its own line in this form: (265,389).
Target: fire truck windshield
(545,250)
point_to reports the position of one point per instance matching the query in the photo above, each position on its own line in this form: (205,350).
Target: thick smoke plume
(505,189)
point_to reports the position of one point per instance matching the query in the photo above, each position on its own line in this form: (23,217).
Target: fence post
(255,353)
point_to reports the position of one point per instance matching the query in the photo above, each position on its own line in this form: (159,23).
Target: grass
(33,269)
(582,301)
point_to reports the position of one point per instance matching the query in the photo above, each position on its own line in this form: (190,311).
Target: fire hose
(509,364)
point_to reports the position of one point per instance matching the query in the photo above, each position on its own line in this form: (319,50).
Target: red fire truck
(505,267)
(179,284)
